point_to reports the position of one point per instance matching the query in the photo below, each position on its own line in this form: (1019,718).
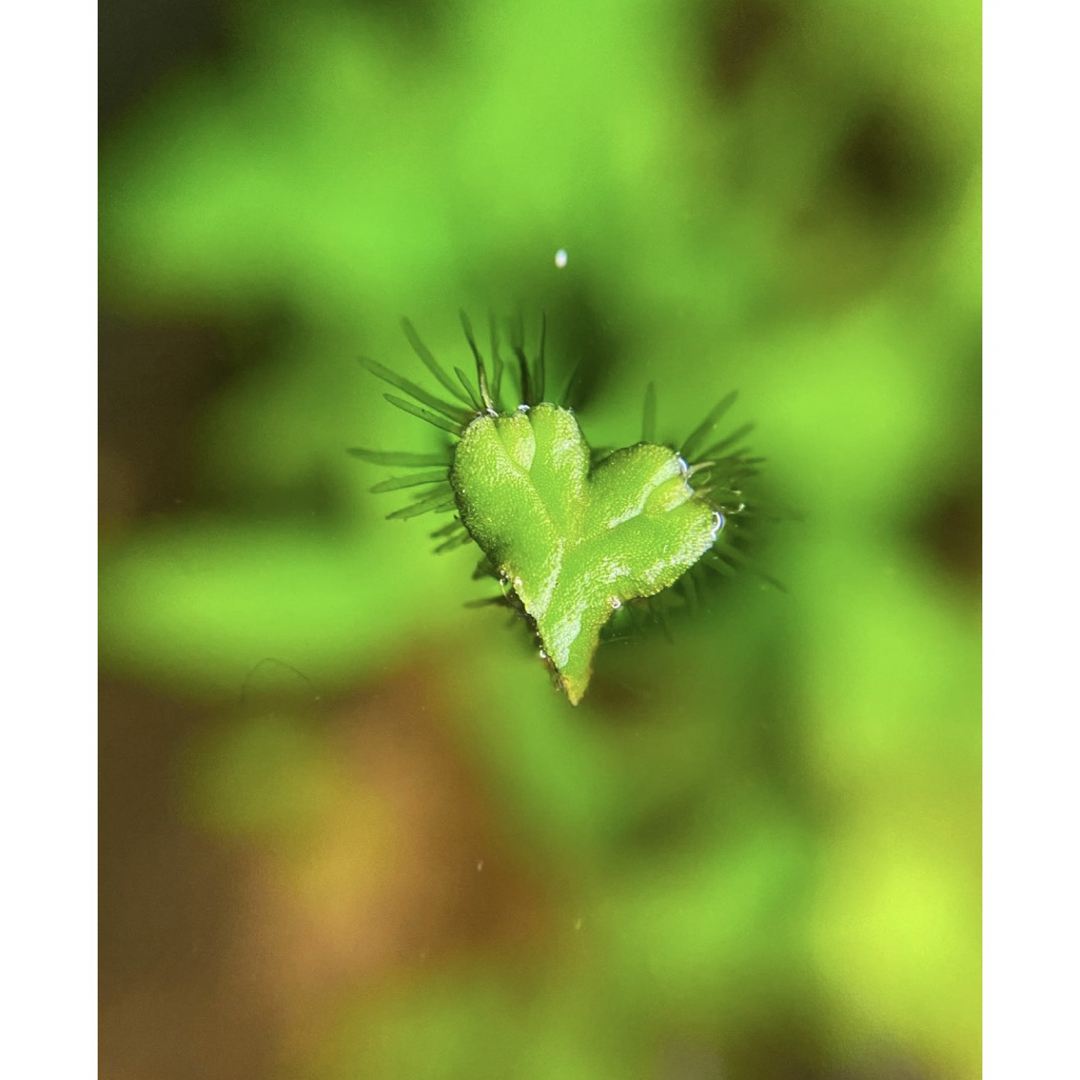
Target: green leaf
(576,544)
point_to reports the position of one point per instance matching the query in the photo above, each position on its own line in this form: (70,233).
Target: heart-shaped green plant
(570,538)
(576,543)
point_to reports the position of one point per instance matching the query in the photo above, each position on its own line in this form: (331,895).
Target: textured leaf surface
(573,543)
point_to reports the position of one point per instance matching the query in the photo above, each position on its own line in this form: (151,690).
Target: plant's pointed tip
(574,691)
(575,685)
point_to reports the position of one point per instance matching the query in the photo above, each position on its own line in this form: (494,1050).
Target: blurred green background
(347,827)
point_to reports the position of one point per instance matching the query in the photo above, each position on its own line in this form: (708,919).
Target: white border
(48,788)
(1030,459)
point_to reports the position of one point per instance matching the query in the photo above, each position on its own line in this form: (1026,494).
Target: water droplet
(616,603)
(561,258)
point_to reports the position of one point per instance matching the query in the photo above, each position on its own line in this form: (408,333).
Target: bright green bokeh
(769,826)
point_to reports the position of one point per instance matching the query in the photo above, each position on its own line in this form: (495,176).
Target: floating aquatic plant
(570,534)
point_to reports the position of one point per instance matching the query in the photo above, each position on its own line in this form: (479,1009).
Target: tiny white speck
(616,603)
(561,258)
